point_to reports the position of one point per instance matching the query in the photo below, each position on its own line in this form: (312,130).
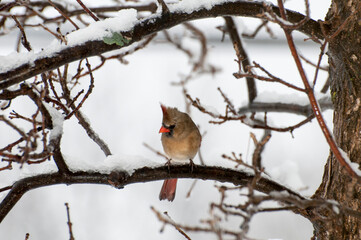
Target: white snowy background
(124,110)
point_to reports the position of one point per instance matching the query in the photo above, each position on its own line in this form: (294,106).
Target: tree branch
(145,174)
(305,110)
(143,29)
(243,59)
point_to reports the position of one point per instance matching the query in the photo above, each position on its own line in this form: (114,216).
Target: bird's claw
(168,164)
(191,164)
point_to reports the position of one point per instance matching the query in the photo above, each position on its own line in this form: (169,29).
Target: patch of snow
(279,19)
(37,169)
(240,27)
(275,97)
(125,20)
(336,209)
(16,59)
(189,6)
(127,163)
(355,166)
(57,119)
(277,194)
(288,174)
(211,109)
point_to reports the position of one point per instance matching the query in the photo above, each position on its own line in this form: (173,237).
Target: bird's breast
(180,149)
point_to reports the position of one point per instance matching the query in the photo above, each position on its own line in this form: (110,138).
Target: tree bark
(345,74)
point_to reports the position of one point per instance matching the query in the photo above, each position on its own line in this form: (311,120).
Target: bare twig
(179,229)
(191,188)
(5,188)
(7,167)
(318,66)
(324,68)
(63,14)
(259,146)
(262,125)
(12,125)
(69,223)
(90,89)
(24,39)
(270,78)
(87,10)
(79,115)
(222,118)
(189,228)
(155,151)
(262,25)
(199,65)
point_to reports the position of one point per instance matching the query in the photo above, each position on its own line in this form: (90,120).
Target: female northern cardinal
(181,140)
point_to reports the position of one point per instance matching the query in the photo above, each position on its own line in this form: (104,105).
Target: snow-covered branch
(91,41)
(120,179)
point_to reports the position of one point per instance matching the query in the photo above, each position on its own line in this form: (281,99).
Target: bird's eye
(170,127)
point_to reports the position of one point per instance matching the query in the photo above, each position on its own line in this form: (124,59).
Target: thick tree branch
(143,29)
(243,59)
(305,110)
(121,179)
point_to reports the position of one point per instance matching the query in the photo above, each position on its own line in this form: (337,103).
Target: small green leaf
(333,96)
(116,38)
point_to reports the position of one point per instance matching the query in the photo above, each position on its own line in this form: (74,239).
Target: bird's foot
(191,164)
(168,164)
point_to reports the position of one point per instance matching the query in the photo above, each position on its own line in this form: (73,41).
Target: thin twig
(189,228)
(259,146)
(24,39)
(69,223)
(318,66)
(263,24)
(155,151)
(270,78)
(191,188)
(16,128)
(79,115)
(179,229)
(63,14)
(87,10)
(5,188)
(90,89)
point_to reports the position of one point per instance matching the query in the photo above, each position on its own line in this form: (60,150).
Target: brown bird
(181,140)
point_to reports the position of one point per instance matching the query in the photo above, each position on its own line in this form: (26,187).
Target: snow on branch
(125,29)
(120,179)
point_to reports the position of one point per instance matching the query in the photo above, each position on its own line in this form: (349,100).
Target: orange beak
(163,130)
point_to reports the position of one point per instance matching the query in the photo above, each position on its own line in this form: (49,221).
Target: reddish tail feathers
(168,189)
